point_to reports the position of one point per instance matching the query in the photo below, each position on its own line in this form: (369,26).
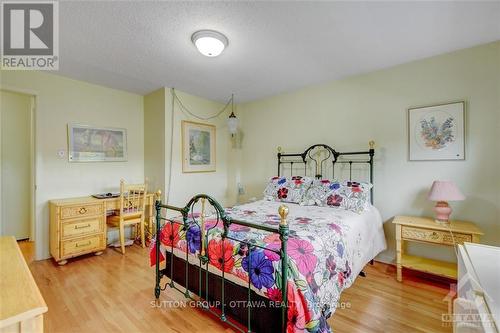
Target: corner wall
(154,139)
(183,186)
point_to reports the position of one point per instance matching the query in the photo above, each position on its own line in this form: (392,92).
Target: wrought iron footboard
(188,217)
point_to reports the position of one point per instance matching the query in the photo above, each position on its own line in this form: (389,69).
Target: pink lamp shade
(445,190)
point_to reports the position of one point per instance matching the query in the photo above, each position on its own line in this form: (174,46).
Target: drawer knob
(85,244)
(82,210)
(82,226)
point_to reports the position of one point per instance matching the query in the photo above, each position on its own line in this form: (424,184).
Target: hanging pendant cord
(184,109)
(192,114)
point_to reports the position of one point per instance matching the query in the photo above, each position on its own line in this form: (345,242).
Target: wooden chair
(132,210)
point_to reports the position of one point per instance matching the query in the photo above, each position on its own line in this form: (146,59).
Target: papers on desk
(106,195)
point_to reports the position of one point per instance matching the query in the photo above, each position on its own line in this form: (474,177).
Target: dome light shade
(210,43)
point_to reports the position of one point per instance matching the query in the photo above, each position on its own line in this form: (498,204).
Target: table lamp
(443,191)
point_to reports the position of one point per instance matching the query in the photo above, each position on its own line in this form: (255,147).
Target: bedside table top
(429,223)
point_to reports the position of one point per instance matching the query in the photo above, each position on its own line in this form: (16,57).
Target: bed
(233,258)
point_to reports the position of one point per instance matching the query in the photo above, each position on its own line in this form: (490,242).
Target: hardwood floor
(27,249)
(114,292)
(381,304)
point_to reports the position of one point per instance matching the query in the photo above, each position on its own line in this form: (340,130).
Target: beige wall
(346,114)
(185,185)
(16,164)
(61,101)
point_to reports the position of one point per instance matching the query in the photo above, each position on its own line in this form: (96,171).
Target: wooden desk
(78,225)
(426,230)
(21,304)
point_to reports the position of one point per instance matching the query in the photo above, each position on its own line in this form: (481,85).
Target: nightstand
(425,230)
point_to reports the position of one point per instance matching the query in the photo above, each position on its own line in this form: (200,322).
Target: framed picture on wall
(96,144)
(437,132)
(198,147)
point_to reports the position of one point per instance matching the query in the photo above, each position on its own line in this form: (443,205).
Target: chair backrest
(132,198)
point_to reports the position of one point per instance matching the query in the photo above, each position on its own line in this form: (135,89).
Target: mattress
(327,249)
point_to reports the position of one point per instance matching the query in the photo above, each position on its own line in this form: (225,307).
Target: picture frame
(198,147)
(437,132)
(96,144)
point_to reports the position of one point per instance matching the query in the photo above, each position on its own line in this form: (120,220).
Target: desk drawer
(82,227)
(434,236)
(82,245)
(68,212)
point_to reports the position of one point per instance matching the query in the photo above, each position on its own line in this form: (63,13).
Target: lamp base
(440,222)
(443,211)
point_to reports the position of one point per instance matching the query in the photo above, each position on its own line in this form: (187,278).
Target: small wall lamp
(232,121)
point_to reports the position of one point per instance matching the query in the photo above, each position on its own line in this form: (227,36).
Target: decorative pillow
(318,190)
(287,189)
(351,196)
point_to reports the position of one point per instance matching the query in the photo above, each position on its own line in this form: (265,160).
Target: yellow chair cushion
(115,219)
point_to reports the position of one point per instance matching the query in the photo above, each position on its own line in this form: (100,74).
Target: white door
(16,164)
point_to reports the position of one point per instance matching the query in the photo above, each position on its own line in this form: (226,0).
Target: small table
(426,230)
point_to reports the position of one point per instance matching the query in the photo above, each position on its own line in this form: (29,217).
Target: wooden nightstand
(425,230)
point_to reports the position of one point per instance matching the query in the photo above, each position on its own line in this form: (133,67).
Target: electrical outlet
(61,153)
(241,189)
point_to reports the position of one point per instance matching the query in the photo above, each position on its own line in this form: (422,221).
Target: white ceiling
(274,47)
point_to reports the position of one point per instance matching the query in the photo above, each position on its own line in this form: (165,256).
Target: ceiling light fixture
(210,43)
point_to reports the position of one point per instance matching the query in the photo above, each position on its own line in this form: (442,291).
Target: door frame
(33,159)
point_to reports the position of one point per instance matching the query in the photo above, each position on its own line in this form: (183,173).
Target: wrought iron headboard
(314,154)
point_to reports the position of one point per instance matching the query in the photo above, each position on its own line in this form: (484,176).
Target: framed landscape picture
(96,144)
(437,132)
(198,147)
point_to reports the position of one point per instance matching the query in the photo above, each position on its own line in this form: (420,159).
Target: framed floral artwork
(437,132)
(198,147)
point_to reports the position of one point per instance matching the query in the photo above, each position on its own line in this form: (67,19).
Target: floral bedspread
(324,242)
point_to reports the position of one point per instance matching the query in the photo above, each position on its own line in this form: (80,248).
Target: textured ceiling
(274,47)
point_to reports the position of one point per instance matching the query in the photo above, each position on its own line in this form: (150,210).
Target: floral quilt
(322,247)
